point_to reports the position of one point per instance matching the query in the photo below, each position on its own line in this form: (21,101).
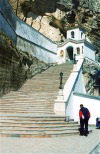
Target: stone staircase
(29,112)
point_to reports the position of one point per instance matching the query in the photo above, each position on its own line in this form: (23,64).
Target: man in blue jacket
(84,116)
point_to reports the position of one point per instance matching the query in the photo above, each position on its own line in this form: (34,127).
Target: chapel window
(81,34)
(82,49)
(72,34)
(78,51)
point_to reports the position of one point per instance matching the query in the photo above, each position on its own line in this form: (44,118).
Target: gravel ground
(56,145)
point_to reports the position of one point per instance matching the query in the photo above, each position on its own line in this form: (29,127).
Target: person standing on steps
(84,116)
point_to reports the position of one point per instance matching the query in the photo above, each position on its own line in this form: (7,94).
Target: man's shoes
(85,134)
(81,134)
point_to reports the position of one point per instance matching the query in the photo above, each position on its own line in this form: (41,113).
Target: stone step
(28,112)
(39,104)
(51,123)
(38,131)
(16,128)
(32,108)
(26,99)
(28,102)
(35,115)
(39,124)
(43,108)
(16,106)
(29,96)
(36,122)
(35,118)
(23,104)
(48,83)
(32,116)
(25,111)
(34,100)
(42,100)
(38,135)
(38,90)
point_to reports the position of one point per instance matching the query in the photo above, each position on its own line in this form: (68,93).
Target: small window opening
(81,34)
(82,49)
(78,51)
(72,34)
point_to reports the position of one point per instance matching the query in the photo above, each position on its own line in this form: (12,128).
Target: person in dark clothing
(84,116)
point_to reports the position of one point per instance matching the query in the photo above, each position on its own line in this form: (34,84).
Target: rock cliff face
(91,73)
(53,18)
(16,66)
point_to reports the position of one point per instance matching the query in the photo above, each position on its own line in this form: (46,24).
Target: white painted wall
(89,52)
(75,84)
(37,51)
(30,34)
(75,46)
(77,33)
(91,103)
(80,85)
(72,81)
(86,50)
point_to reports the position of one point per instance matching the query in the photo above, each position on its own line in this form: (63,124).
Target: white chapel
(76,45)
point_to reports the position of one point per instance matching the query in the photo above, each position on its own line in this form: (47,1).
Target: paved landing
(59,145)
(96,150)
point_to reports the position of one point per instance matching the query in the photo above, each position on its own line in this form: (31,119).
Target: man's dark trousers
(83,126)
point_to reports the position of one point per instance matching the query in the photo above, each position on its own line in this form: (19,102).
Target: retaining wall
(26,37)
(75,95)
(91,102)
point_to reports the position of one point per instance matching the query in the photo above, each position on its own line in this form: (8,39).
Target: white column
(59,106)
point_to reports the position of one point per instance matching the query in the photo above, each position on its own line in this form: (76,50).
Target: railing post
(61,77)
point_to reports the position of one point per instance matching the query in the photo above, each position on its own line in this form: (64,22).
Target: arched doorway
(69,53)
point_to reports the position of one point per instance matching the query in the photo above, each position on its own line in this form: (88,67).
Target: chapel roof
(76,27)
(76,42)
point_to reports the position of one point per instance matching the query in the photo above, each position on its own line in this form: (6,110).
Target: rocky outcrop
(91,73)
(16,66)
(53,18)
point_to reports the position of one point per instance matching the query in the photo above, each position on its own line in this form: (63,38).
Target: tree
(17,7)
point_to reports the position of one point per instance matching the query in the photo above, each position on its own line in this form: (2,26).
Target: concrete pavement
(57,145)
